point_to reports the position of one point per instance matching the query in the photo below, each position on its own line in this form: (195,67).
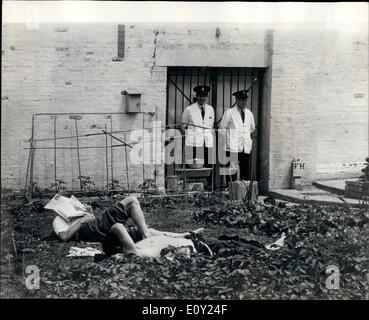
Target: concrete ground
(333,186)
(330,192)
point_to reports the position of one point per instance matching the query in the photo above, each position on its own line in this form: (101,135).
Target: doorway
(223,82)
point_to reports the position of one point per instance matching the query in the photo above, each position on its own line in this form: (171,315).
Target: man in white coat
(239,124)
(197,124)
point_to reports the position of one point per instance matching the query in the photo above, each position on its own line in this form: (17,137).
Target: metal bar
(99,133)
(27,171)
(252,82)
(32,155)
(125,144)
(175,97)
(167,114)
(255,107)
(55,150)
(167,98)
(75,113)
(250,164)
(194,125)
(184,164)
(208,76)
(230,176)
(249,100)
(106,159)
(223,89)
(230,91)
(143,149)
(251,87)
(183,89)
(245,79)
(259,125)
(99,147)
(73,148)
(111,150)
(224,181)
(126,156)
(175,105)
(155,151)
(68,137)
(214,102)
(191,86)
(103,147)
(238,79)
(79,161)
(212,178)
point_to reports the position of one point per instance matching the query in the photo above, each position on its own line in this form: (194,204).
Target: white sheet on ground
(277,244)
(67,208)
(152,246)
(83,252)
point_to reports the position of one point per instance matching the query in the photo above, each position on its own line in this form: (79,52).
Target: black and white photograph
(200,151)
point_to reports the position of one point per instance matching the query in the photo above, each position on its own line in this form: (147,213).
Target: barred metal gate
(223,82)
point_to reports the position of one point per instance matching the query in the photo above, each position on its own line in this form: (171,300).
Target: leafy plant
(365,190)
(318,236)
(36,191)
(148,184)
(86,183)
(114,185)
(58,186)
(365,176)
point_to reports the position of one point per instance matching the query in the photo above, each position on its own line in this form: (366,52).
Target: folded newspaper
(83,252)
(67,208)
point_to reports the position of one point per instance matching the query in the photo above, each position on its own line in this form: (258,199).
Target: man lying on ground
(152,246)
(110,228)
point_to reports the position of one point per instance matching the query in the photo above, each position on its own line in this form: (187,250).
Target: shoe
(204,248)
(201,246)
(100,257)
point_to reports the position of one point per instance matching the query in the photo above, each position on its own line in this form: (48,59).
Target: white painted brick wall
(316,114)
(319,103)
(72,71)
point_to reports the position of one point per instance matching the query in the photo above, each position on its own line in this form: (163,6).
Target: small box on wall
(132,101)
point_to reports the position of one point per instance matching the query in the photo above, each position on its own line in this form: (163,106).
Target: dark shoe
(203,248)
(100,257)
(200,245)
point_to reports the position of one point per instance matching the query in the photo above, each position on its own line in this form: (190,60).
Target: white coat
(238,134)
(196,136)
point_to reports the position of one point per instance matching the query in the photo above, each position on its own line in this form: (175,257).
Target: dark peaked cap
(202,90)
(241,94)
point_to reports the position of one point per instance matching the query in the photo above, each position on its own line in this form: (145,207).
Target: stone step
(311,196)
(336,188)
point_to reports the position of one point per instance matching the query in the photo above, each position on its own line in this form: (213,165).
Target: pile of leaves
(8,250)
(198,200)
(196,276)
(272,219)
(365,176)
(317,237)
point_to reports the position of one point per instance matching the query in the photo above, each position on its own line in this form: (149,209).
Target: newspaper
(67,208)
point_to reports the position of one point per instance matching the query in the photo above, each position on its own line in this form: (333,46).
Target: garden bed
(357,189)
(317,236)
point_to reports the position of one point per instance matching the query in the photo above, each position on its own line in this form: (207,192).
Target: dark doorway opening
(223,82)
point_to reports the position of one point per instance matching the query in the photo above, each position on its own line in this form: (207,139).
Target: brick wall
(49,70)
(319,104)
(318,91)
(211,45)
